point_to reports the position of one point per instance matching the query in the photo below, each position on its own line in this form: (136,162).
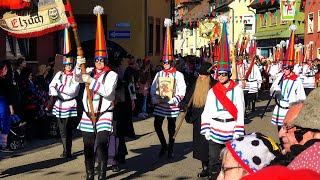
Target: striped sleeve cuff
(178,99)
(95,85)
(239,130)
(204,128)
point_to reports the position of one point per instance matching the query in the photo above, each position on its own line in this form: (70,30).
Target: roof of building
(203,7)
(258,5)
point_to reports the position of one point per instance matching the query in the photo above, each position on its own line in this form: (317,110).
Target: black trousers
(102,140)
(214,153)
(66,126)
(158,121)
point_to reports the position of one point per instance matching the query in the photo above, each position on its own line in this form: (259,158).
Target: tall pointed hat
(224,54)
(66,47)
(101,48)
(290,58)
(253,47)
(167,45)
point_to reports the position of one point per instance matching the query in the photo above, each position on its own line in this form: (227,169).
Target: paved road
(39,160)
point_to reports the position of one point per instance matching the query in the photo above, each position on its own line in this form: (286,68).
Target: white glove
(53,92)
(172,101)
(275,89)
(80,60)
(86,78)
(235,136)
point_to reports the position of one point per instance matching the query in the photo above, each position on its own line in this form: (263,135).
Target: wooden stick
(182,118)
(83,66)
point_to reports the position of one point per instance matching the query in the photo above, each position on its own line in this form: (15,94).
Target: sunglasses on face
(99,60)
(287,127)
(166,62)
(225,169)
(223,74)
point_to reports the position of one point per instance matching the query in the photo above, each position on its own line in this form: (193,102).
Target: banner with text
(50,17)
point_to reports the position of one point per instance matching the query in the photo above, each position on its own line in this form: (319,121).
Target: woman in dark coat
(197,95)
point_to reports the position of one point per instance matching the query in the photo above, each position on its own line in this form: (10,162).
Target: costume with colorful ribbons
(171,109)
(67,89)
(223,115)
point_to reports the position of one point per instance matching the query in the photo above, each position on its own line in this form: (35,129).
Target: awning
(264,5)
(275,34)
(284,33)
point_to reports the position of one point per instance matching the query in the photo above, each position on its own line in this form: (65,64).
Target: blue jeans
(4,116)
(144,104)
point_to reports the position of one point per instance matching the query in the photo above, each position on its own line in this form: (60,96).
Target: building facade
(271,29)
(312,28)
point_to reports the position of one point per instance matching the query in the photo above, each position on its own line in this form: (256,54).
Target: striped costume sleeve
(54,84)
(154,85)
(108,87)
(209,108)
(239,102)
(180,88)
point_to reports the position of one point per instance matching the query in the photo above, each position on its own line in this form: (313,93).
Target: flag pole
(80,53)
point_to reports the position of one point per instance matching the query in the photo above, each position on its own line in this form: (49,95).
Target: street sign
(119,34)
(122,25)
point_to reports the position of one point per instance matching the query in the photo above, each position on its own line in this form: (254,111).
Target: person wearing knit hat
(246,155)
(197,95)
(64,87)
(167,90)
(301,129)
(223,115)
(102,83)
(288,87)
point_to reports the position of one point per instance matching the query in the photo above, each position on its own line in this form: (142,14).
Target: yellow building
(136,25)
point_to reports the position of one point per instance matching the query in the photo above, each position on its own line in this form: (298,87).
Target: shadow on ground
(148,160)
(37,166)
(36,144)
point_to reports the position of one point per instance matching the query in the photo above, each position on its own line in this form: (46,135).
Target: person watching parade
(246,155)
(167,90)
(223,115)
(301,131)
(102,83)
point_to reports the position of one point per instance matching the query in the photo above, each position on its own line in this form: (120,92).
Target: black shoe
(115,168)
(213,176)
(65,155)
(89,170)
(170,154)
(162,151)
(6,150)
(204,173)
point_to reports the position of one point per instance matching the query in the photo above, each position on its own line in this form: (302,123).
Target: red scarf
(168,71)
(98,74)
(291,77)
(239,63)
(68,74)
(220,91)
